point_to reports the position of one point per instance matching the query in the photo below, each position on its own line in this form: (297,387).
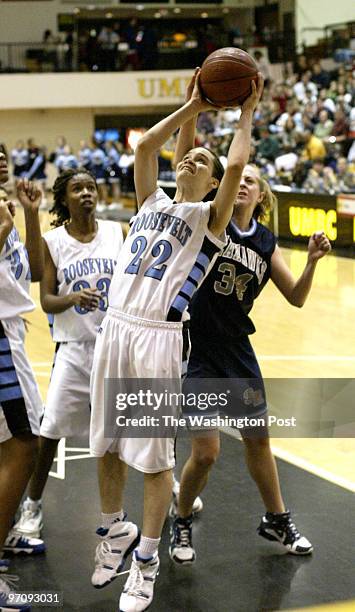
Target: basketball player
(168,252)
(20,402)
(80,257)
(222,306)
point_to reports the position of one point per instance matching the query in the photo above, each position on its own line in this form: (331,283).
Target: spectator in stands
(301,65)
(319,178)
(263,66)
(313,147)
(66,160)
(340,130)
(324,127)
(50,56)
(84,155)
(304,89)
(345,174)
(268,146)
(36,170)
(20,159)
(319,76)
(108,41)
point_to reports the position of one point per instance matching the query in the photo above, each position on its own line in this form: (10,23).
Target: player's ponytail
(59,209)
(268,202)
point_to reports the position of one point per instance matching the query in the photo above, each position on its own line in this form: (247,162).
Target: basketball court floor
(235,569)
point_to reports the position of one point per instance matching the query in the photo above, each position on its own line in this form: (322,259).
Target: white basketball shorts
(67,409)
(21,406)
(131,347)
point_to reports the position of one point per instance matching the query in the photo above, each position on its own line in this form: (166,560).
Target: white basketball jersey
(15,278)
(166,255)
(82,266)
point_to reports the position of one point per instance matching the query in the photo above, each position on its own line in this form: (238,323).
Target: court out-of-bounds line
(302,463)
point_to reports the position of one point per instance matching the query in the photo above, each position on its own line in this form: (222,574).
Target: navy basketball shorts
(233,366)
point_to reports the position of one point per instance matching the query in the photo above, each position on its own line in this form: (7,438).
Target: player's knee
(207,456)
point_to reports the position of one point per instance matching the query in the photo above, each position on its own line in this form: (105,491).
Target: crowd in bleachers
(304,130)
(303,138)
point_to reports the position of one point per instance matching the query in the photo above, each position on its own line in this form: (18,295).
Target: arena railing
(58,57)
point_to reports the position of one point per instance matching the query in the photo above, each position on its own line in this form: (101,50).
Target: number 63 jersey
(222,305)
(83,265)
(166,255)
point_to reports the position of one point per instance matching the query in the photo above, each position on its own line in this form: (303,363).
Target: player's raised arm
(296,291)
(145,163)
(30,197)
(238,155)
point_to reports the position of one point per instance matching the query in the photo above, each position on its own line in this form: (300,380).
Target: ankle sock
(108,519)
(147,547)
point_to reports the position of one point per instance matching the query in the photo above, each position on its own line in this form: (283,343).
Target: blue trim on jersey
(195,276)
(4,345)
(188,288)
(5,359)
(203,260)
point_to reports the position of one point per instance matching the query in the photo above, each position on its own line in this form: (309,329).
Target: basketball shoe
(16,544)
(30,522)
(280,528)
(117,543)
(7,594)
(181,550)
(137,594)
(173,510)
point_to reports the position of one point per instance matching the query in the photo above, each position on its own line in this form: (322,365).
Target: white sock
(36,502)
(147,547)
(108,519)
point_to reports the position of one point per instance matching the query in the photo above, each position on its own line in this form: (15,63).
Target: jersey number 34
(230,281)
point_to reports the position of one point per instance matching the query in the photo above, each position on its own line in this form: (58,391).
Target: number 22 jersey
(83,265)
(166,255)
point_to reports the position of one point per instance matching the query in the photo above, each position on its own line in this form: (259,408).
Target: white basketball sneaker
(117,543)
(137,594)
(30,522)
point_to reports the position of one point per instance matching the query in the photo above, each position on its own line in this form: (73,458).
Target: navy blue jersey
(222,304)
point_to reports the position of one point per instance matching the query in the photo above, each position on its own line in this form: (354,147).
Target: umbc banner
(302,214)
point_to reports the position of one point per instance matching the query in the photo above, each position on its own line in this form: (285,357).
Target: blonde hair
(263,208)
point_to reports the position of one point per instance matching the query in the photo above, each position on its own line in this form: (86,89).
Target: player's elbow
(145,145)
(296,301)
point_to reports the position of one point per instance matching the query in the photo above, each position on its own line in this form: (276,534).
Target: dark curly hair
(61,212)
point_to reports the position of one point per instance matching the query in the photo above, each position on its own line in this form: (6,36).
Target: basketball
(226,76)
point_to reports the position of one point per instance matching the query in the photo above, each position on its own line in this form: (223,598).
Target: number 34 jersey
(83,265)
(167,254)
(222,305)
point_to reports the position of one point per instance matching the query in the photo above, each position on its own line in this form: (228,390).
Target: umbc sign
(302,214)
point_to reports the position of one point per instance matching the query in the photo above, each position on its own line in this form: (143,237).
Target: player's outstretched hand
(86,298)
(193,93)
(318,246)
(7,213)
(29,194)
(256,92)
